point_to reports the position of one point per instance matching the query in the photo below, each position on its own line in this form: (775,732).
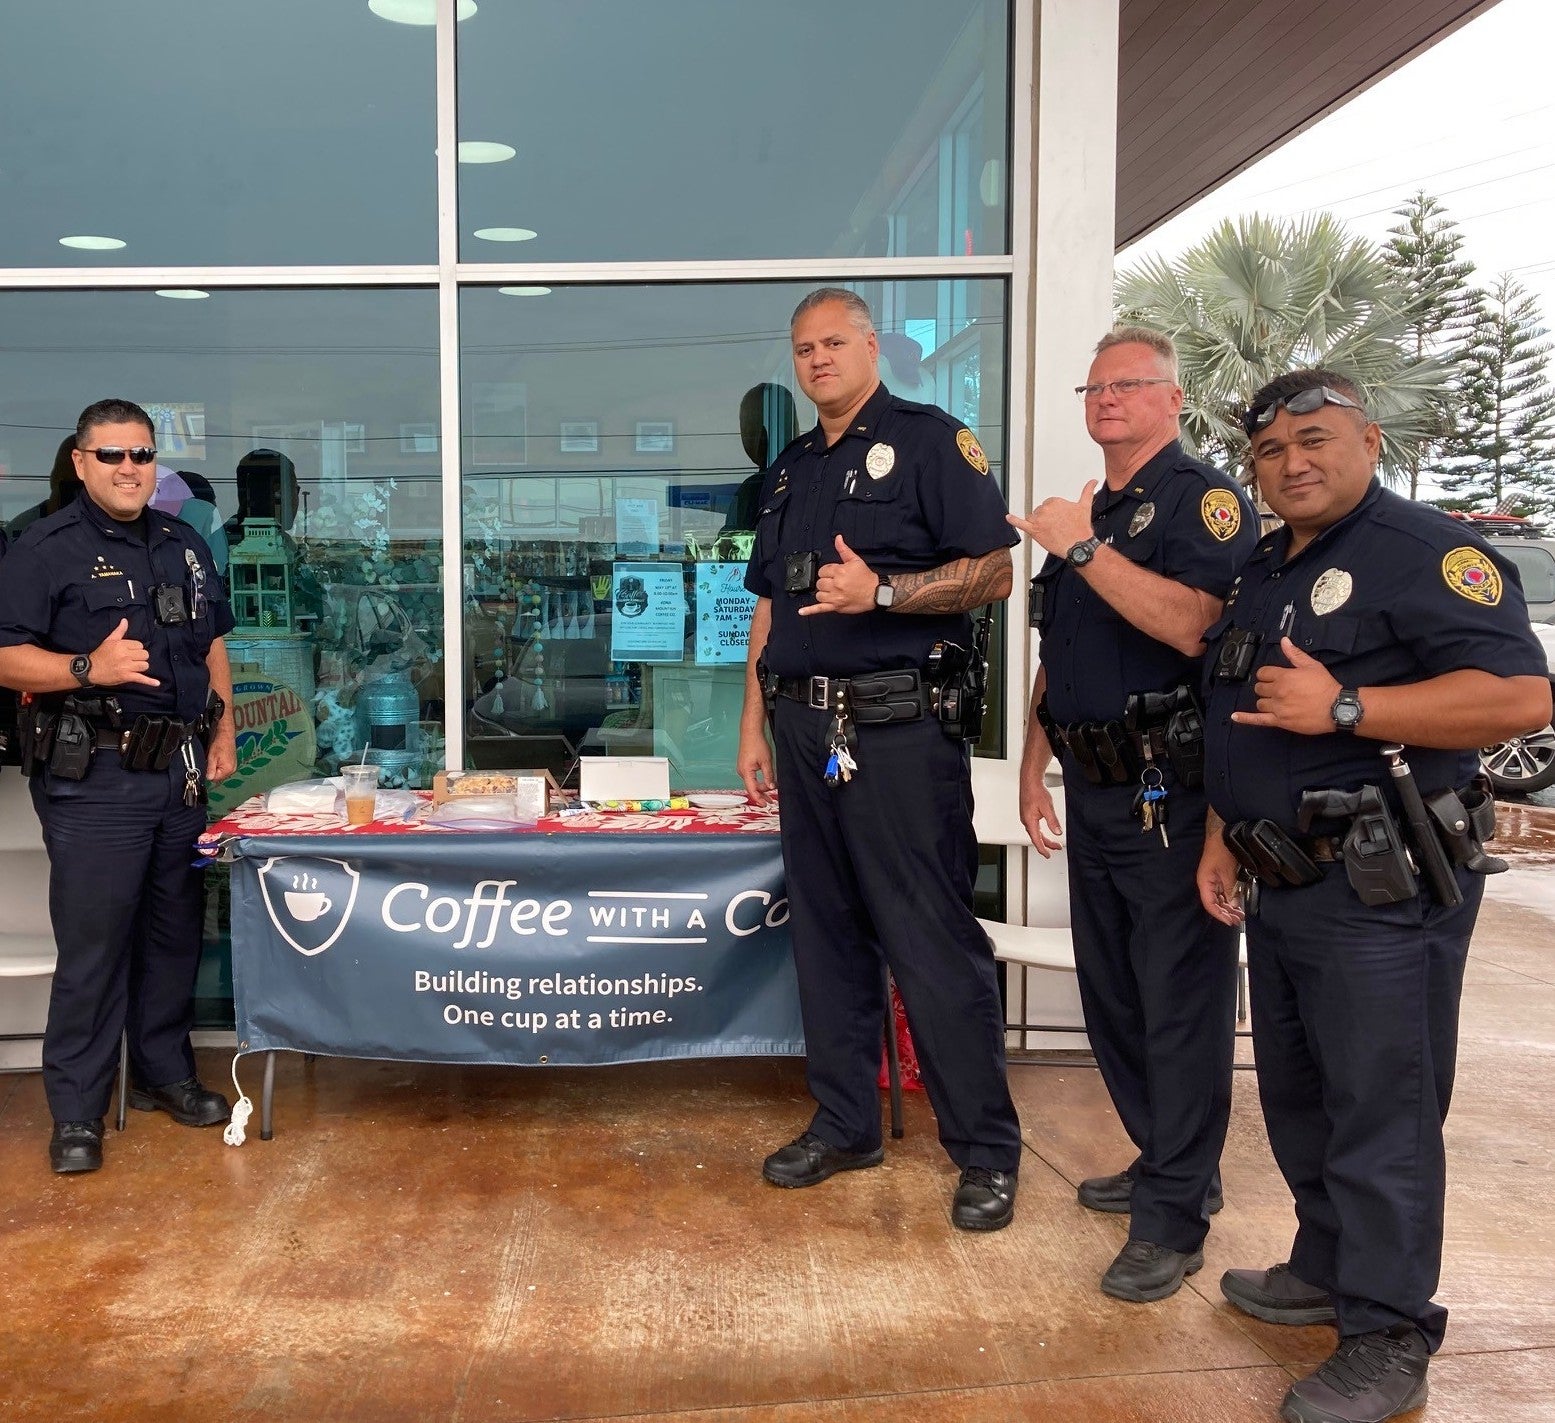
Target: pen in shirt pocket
(1287,619)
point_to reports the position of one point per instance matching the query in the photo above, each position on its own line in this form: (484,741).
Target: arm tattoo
(955,587)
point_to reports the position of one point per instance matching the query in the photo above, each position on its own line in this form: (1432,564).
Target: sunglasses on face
(1303,402)
(115,454)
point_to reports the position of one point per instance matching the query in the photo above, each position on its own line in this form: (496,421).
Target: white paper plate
(717,802)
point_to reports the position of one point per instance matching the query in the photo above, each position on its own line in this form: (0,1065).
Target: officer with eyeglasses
(111,624)
(1135,572)
(1366,649)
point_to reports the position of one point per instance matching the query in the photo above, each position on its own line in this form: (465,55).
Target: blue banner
(543,949)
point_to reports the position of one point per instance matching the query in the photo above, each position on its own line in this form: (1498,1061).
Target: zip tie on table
(237,1129)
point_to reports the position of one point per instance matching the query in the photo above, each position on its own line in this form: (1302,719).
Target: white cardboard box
(623,778)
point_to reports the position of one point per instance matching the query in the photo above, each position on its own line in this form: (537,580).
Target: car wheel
(1522,765)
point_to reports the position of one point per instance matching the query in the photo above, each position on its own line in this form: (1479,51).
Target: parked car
(1525,763)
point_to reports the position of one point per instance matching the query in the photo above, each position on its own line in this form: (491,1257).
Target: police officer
(1132,578)
(111,619)
(1367,620)
(878,531)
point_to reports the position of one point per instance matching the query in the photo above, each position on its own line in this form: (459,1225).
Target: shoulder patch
(971,451)
(1221,511)
(1470,574)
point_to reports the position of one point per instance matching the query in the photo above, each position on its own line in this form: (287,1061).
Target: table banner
(542,950)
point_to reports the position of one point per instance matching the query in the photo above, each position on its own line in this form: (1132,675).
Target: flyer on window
(648,613)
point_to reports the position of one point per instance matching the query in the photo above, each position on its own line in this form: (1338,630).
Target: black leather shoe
(985,1200)
(1144,1272)
(76,1146)
(186,1102)
(1368,1378)
(1277,1296)
(807,1161)
(1113,1194)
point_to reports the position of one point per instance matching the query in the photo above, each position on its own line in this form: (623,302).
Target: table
(597,938)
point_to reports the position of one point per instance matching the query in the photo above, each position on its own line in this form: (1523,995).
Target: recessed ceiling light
(93,244)
(525,291)
(479,151)
(416,12)
(506,234)
(182,293)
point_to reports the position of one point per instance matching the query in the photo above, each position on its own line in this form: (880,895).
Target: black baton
(1433,859)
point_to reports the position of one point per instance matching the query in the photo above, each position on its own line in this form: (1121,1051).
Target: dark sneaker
(1368,1378)
(186,1102)
(985,1200)
(1113,1194)
(807,1161)
(1144,1272)
(76,1146)
(1277,1296)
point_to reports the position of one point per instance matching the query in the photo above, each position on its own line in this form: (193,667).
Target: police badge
(880,461)
(1332,590)
(1141,520)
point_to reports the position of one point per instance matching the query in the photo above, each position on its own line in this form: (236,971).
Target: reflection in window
(283,132)
(605,540)
(280,436)
(724,131)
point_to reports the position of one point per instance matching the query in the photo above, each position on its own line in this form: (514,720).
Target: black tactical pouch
(152,742)
(70,756)
(1270,855)
(1463,824)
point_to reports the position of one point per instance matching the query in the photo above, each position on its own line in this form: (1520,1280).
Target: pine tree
(1502,452)
(1422,255)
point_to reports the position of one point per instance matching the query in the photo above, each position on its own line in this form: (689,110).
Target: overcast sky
(1471,120)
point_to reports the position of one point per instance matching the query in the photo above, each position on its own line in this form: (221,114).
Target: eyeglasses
(1303,402)
(1120,388)
(114,454)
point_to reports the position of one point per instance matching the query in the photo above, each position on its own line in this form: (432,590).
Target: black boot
(1368,1378)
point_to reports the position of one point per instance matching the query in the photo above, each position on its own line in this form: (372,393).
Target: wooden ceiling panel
(1207,87)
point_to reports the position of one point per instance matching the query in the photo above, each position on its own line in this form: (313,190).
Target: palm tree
(1259,297)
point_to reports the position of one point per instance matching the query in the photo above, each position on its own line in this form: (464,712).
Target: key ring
(1147,783)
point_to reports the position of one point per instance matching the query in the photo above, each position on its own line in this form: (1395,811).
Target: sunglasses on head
(114,454)
(1303,402)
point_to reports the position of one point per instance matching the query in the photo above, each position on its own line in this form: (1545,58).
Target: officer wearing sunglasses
(1367,620)
(111,620)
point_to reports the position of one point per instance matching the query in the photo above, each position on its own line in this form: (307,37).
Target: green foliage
(1422,254)
(1503,447)
(1259,297)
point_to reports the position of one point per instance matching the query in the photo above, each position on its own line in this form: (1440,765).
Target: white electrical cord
(237,1129)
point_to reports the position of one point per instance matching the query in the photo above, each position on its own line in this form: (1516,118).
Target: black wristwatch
(885,592)
(81,669)
(1083,552)
(1347,710)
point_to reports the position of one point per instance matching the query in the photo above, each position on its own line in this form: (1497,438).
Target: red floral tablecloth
(251,818)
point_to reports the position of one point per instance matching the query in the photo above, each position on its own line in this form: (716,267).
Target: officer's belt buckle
(821,689)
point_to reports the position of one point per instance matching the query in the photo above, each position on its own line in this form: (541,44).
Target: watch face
(1347,711)
(1082,553)
(885,595)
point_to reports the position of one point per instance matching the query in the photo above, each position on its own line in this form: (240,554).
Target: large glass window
(287,131)
(614,438)
(705,129)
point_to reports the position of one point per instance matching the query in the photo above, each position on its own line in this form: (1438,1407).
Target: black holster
(1375,860)
(1270,855)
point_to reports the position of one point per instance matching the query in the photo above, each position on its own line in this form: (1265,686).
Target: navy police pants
(1355,1025)
(880,872)
(1157,980)
(125,902)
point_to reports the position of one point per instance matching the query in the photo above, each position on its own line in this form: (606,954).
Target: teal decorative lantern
(259,576)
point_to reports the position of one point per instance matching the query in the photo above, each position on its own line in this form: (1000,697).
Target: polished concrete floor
(428,1243)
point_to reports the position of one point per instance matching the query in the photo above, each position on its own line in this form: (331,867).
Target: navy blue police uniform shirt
(1178,517)
(907,486)
(70,577)
(1394,593)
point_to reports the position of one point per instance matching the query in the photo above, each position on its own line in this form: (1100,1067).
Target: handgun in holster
(215,709)
(70,753)
(768,684)
(1270,855)
(1464,823)
(1050,728)
(1375,860)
